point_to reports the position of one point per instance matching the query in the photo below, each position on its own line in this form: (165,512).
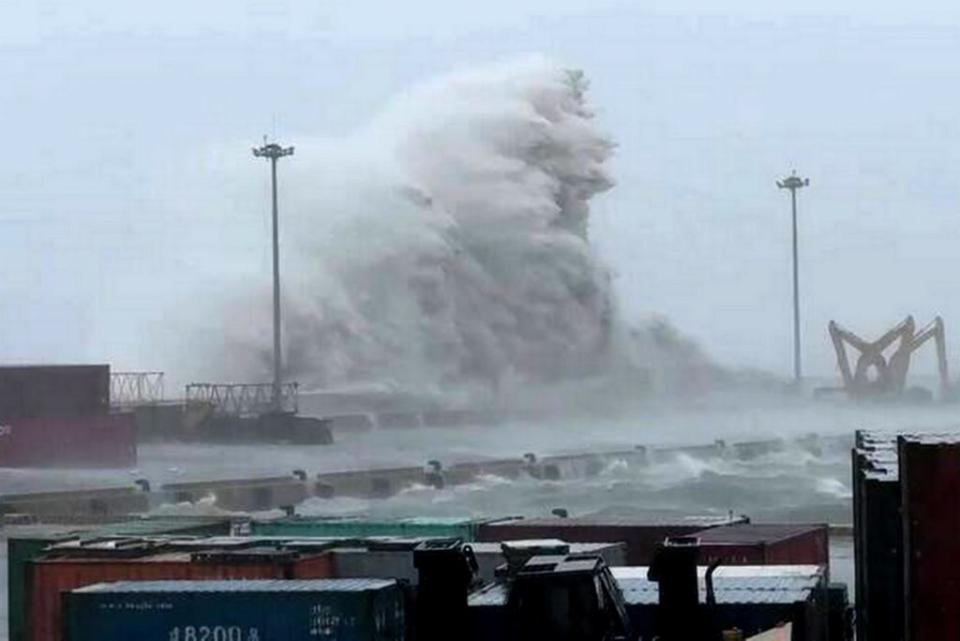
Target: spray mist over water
(446,246)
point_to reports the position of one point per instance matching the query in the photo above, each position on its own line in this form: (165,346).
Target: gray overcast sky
(113,113)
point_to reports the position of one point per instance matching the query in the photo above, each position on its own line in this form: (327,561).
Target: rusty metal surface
(929,477)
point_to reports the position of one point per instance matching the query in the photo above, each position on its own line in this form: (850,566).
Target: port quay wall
(290,489)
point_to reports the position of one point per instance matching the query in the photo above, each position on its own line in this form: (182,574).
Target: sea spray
(445,248)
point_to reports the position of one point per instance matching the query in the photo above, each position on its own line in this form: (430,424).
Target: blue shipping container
(318,610)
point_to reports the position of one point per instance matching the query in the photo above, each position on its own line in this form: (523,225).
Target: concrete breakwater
(287,490)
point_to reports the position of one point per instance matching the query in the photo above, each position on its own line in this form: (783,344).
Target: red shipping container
(107,440)
(765,544)
(47,579)
(45,391)
(314,566)
(640,536)
(929,482)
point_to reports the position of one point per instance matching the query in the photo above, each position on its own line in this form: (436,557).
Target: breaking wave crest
(445,247)
(474,263)
(781,485)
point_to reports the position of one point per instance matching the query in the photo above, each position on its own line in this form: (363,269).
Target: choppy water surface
(808,479)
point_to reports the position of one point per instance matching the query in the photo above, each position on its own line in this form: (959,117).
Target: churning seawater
(805,478)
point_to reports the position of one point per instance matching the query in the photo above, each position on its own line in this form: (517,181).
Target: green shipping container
(464,528)
(28,542)
(179,526)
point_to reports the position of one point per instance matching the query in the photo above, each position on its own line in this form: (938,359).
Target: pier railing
(241,399)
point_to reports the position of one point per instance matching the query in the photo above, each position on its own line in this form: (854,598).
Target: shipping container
(640,536)
(333,610)
(95,440)
(881,538)
(464,528)
(205,526)
(48,578)
(859,585)
(751,598)
(878,540)
(929,480)
(25,543)
(765,544)
(49,391)
(397,563)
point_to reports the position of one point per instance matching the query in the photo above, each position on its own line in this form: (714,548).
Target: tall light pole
(793,183)
(274,152)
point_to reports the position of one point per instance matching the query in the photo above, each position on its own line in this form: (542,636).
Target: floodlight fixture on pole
(793,183)
(273,152)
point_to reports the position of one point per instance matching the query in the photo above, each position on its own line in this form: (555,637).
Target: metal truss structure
(242,399)
(128,389)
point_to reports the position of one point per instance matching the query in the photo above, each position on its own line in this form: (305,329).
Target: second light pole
(274,152)
(793,183)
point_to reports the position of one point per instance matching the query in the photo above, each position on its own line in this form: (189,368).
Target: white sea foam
(445,246)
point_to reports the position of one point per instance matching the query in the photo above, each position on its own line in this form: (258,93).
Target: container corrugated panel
(930,478)
(750,598)
(28,543)
(859,553)
(765,544)
(183,526)
(48,578)
(45,391)
(878,549)
(95,440)
(749,586)
(21,550)
(437,527)
(640,536)
(333,610)
(313,566)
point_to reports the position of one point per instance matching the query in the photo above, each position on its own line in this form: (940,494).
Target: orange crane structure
(880,376)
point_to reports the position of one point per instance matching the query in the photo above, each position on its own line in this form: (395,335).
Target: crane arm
(935,330)
(872,352)
(838,335)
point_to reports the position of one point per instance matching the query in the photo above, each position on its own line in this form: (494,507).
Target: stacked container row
(907,536)
(641,536)
(48,578)
(27,543)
